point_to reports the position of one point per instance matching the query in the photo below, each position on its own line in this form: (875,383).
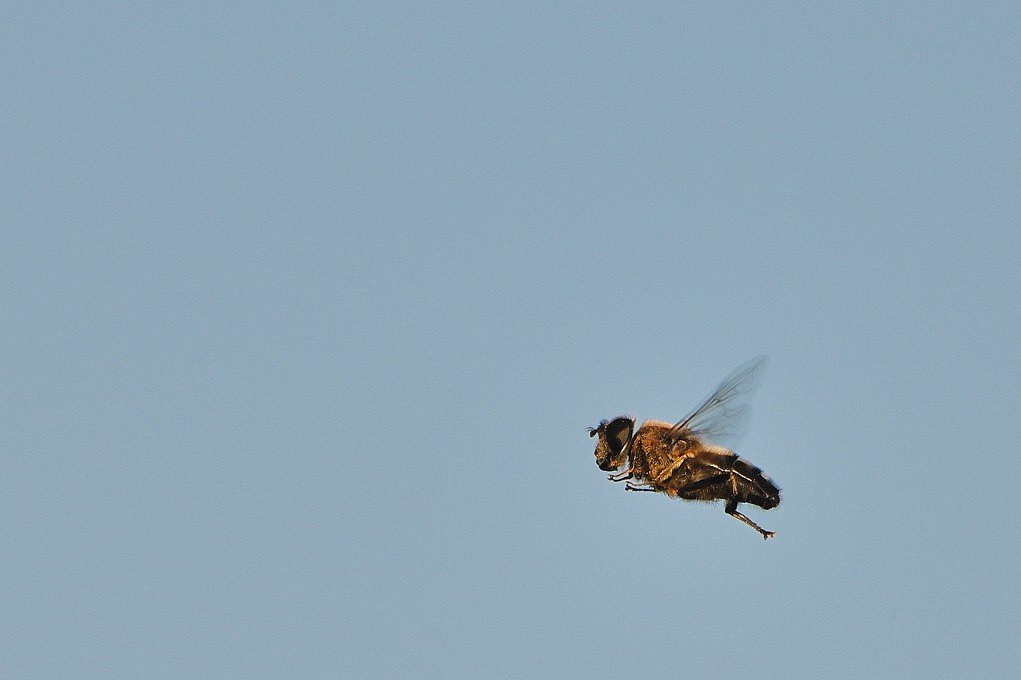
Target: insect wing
(722,415)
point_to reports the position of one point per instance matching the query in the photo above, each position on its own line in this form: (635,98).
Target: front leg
(620,476)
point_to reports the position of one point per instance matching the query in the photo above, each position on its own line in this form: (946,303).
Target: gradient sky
(306,311)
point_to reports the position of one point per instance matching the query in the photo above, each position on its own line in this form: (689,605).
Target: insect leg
(731,510)
(620,477)
(671,469)
(631,487)
(708,481)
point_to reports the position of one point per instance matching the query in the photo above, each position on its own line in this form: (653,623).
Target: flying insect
(682,459)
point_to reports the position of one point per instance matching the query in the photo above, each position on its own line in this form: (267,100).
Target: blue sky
(306,311)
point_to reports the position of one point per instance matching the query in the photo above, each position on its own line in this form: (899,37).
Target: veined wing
(722,415)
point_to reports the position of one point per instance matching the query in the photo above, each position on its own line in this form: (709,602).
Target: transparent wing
(721,417)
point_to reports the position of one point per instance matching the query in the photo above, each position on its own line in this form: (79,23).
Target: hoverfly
(681,460)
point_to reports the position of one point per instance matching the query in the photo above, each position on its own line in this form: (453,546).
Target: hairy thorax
(669,460)
(654,448)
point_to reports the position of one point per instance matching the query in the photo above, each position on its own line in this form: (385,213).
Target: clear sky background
(306,310)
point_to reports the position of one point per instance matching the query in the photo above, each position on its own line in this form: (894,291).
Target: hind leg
(731,510)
